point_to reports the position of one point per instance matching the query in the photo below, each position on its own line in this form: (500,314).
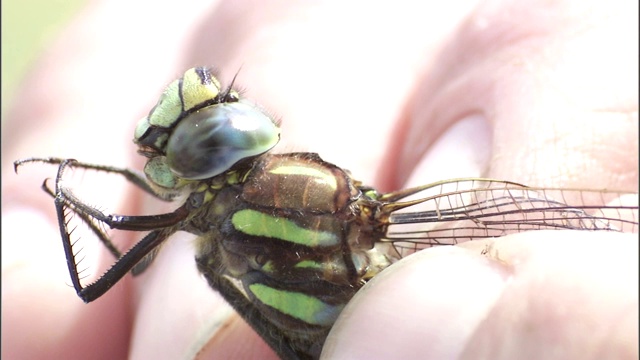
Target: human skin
(549,88)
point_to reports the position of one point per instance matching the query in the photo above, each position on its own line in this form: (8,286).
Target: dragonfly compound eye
(211,140)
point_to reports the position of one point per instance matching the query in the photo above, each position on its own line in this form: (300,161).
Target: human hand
(542,86)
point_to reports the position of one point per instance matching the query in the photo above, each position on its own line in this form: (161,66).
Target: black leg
(162,227)
(132,176)
(104,238)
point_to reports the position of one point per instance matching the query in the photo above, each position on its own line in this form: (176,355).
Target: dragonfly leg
(117,271)
(87,219)
(64,197)
(130,175)
(162,226)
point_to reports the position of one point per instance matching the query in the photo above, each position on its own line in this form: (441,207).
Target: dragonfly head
(197,131)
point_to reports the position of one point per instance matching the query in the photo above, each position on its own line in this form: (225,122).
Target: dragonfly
(288,239)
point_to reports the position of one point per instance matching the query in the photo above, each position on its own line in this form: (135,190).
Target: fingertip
(532,293)
(571,295)
(426,306)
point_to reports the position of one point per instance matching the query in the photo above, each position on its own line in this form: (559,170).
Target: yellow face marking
(196,91)
(141,128)
(169,107)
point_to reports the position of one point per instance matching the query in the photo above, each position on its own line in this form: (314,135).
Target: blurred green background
(28,26)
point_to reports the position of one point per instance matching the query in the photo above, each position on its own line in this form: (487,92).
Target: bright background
(27,27)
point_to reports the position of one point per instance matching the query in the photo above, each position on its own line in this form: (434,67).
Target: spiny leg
(64,199)
(65,196)
(123,222)
(87,219)
(118,270)
(130,175)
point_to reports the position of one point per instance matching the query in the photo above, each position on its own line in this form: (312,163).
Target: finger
(487,102)
(571,297)
(404,312)
(81,100)
(536,87)
(535,293)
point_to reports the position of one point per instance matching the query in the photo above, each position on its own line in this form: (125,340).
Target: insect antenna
(229,95)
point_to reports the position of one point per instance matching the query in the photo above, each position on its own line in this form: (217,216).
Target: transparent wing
(454,211)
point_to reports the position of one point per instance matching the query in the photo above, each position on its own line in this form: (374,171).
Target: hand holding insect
(615,168)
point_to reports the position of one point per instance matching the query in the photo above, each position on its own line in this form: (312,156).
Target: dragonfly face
(288,239)
(198,130)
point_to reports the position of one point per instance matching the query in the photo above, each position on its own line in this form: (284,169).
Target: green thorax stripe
(309,264)
(256,223)
(297,305)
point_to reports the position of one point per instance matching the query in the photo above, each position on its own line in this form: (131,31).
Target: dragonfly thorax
(290,233)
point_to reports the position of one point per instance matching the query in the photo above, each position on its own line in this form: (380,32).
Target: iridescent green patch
(309,264)
(298,305)
(256,223)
